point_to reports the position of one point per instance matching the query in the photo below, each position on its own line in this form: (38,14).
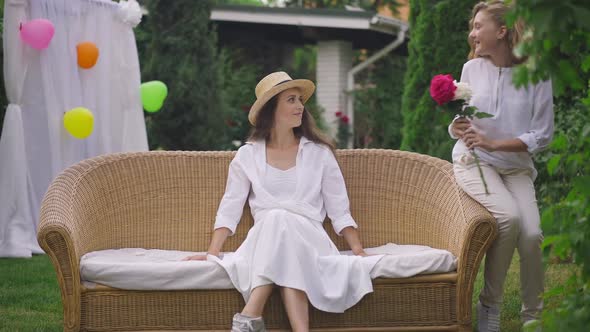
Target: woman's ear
(502,32)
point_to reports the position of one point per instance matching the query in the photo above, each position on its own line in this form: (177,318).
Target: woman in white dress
(290,176)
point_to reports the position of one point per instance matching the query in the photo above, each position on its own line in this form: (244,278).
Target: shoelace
(243,324)
(493,322)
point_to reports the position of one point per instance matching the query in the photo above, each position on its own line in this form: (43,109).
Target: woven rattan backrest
(168,200)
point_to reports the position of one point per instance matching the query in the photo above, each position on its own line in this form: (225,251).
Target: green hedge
(438,44)
(377,111)
(181,50)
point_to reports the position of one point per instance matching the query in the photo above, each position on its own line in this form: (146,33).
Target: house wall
(333,63)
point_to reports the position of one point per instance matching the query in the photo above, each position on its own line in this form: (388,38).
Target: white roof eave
(376,23)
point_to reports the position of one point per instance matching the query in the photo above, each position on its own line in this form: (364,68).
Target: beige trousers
(513,203)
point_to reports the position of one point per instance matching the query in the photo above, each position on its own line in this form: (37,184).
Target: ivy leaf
(469,110)
(582,184)
(569,74)
(556,291)
(553,163)
(547,44)
(543,15)
(559,143)
(574,160)
(581,14)
(586,64)
(455,104)
(547,222)
(482,115)
(520,76)
(552,240)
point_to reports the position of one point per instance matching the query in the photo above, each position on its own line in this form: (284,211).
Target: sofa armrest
(59,235)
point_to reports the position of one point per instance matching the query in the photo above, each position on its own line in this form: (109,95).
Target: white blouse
(319,187)
(280,183)
(525,113)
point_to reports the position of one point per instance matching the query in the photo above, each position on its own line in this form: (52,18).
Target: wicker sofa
(168,200)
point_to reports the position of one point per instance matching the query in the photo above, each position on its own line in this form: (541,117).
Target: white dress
(288,249)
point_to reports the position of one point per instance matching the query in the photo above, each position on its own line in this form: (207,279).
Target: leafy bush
(558,47)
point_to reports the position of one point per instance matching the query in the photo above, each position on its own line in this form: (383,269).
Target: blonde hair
(497,10)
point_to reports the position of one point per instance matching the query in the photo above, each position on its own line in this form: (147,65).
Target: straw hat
(273,84)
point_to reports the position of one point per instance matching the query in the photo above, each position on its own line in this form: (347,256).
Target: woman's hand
(219,236)
(474,139)
(459,127)
(352,237)
(360,252)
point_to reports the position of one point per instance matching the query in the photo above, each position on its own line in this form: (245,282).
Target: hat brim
(307,89)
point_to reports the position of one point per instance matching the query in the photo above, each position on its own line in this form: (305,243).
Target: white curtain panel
(43,84)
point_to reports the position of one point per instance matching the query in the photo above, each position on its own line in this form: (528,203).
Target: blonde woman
(291,177)
(522,124)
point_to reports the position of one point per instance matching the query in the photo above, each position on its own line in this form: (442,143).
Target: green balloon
(153,94)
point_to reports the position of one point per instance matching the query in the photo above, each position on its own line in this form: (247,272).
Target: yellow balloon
(79,122)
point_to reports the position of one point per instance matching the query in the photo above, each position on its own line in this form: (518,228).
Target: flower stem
(476,157)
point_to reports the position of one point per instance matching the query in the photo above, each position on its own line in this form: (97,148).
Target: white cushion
(142,269)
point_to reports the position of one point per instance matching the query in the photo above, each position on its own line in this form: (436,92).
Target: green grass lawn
(30,298)
(29,295)
(555,274)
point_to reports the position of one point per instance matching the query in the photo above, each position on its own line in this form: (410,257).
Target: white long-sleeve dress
(288,245)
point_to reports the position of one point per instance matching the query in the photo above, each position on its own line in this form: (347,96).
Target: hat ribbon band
(282,82)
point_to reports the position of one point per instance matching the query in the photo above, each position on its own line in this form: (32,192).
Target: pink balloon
(37,33)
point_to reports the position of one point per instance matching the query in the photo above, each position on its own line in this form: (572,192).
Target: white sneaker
(488,318)
(242,323)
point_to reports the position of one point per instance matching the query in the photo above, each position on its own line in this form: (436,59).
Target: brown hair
(497,10)
(308,128)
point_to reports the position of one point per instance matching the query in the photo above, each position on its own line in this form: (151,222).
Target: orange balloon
(87,54)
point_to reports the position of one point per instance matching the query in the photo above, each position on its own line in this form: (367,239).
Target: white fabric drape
(42,85)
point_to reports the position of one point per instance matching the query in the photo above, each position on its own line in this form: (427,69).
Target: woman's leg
(520,184)
(257,300)
(297,308)
(501,205)
(250,318)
